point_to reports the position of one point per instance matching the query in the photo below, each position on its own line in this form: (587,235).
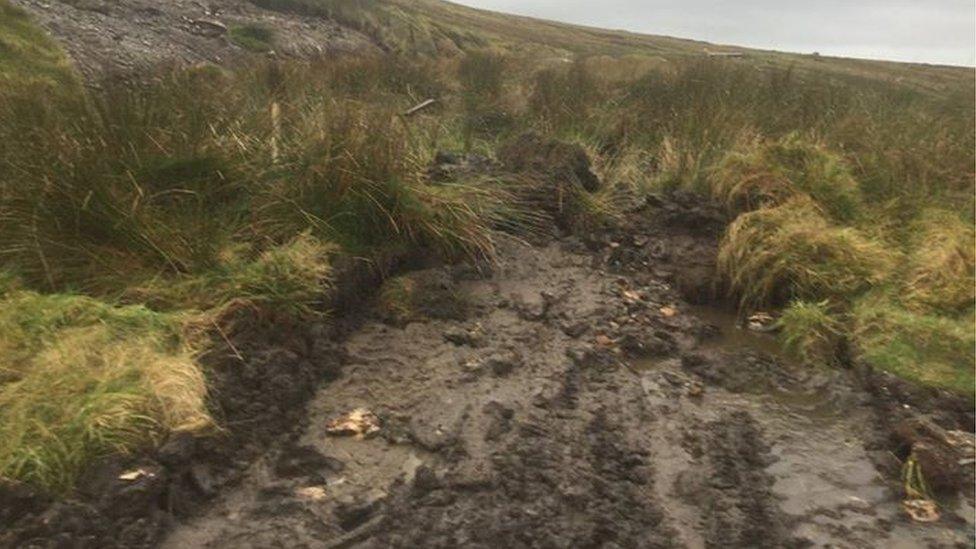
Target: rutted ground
(579,401)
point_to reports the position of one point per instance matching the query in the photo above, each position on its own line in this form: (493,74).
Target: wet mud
(581,401)
(583,394)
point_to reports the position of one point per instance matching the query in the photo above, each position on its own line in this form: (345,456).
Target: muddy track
(580,401)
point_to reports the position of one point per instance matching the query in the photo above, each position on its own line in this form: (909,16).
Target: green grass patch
(253,36)
(925,348)
(811,331)
(81,379)
(30,62)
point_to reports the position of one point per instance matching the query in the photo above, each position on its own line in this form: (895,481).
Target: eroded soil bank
(581,401)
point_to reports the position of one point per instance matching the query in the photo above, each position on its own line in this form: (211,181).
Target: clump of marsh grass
(791,251)
(770,173)
(811,331)
(81,379)
(292,278)
(941,266)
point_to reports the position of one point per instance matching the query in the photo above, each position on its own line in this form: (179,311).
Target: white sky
(931,31)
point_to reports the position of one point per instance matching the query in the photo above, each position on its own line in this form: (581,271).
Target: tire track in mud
(736,502)
(568,410)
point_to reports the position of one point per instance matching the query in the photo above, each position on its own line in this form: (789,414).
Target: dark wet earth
(580,402)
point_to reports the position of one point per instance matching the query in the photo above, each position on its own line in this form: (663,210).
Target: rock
(575,329)
(461,336)
(210,26)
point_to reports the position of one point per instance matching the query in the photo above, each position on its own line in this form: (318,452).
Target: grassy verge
(133,218)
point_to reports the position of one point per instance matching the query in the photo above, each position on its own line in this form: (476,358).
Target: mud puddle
(824,481)
(574,404)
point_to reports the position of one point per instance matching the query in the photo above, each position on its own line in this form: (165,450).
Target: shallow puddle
(732,335)
(817,428)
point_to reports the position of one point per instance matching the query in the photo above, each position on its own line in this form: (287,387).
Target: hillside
(390,273)
(104,37)
(427,25)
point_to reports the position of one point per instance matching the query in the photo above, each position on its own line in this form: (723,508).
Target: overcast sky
(933,31)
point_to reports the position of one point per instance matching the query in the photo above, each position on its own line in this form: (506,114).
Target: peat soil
(582,394)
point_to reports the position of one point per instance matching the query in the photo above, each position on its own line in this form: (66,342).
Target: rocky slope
(132,37)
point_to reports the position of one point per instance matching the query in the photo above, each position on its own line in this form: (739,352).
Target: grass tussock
(292,279)
(940,270)
(811,331)
(82,379)
(791,251)
(771,173)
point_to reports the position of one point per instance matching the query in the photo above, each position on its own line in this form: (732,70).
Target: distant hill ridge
(128,35)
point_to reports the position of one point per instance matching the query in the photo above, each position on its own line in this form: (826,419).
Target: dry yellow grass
(767,174)
(791,251)
(941,267)
(83,379)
